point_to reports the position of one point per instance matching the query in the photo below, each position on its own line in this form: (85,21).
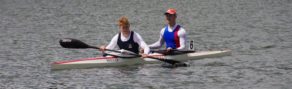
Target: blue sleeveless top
(171,38)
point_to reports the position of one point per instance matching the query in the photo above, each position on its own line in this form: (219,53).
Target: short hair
(123,21)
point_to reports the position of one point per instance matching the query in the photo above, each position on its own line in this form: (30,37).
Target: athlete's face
(170,18)
(125,29)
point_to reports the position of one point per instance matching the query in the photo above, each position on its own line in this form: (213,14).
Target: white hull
(112,61)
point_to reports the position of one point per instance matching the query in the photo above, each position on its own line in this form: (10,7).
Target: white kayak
(110,61)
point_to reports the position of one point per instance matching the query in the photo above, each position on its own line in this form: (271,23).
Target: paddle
(77,44)
(74,43)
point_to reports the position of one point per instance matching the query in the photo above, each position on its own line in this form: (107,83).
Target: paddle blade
(72,43)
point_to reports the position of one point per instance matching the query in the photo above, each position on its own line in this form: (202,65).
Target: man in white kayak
(127,39)
(172,34)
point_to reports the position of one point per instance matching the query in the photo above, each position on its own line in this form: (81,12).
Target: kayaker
(127,39)
(172,34)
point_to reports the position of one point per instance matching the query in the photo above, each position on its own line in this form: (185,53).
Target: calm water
(259,33)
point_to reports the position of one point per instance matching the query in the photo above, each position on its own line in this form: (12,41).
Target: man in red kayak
(127,39)
(172,34)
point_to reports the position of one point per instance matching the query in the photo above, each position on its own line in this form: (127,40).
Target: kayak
(112,61)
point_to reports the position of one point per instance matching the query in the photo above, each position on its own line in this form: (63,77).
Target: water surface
(257,31)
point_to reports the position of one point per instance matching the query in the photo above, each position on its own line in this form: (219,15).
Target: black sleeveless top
(129,45)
